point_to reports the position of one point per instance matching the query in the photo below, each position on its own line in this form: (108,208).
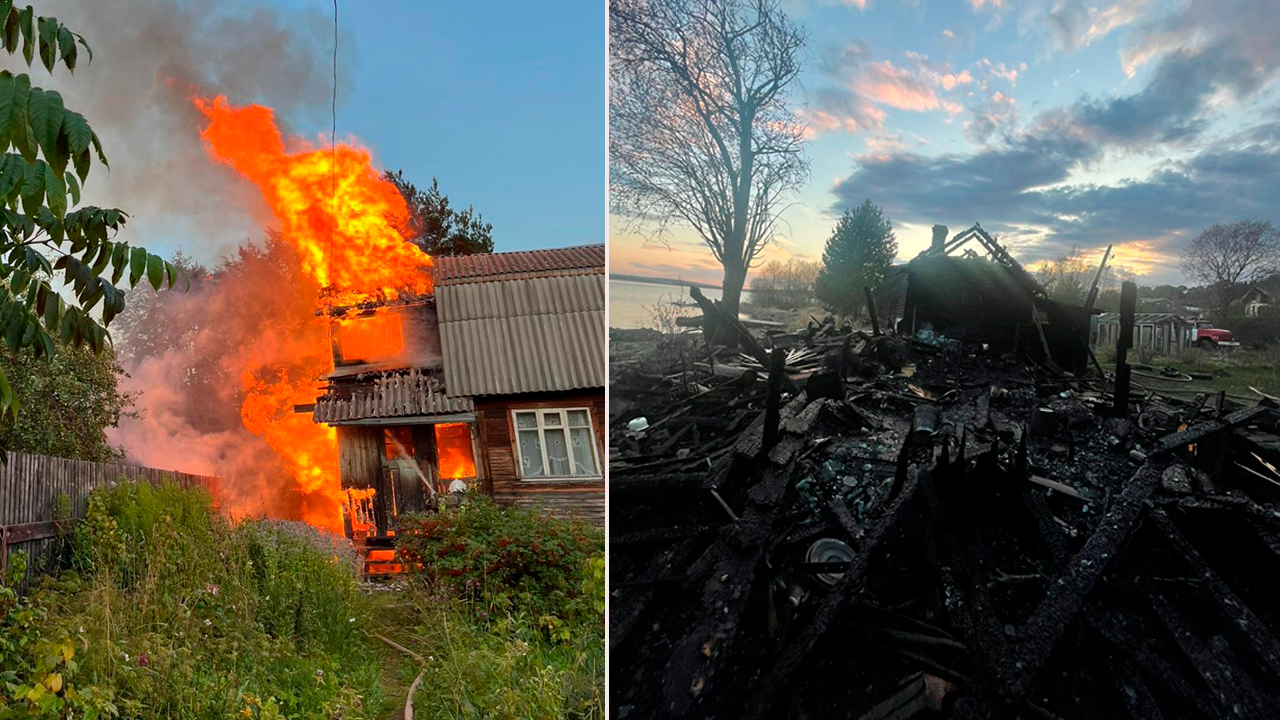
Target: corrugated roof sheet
(408,394)
(1144,318)
(581,260)
(528,334)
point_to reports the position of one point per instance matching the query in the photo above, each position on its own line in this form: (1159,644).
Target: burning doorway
(392,470)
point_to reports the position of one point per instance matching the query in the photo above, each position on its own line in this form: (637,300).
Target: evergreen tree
(857,255)
(438,228)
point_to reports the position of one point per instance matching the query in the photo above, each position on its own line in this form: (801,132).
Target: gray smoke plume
(187,354)
(150,58)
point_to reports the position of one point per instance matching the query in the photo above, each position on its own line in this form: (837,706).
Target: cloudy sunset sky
(1054,123)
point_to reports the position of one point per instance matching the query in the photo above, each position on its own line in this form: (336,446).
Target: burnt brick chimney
(939,237)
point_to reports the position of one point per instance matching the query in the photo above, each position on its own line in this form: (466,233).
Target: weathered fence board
(30,488)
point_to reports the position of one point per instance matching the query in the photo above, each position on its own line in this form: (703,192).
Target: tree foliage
(858,253)
(46,151)
(701,131)
(786,285)
(437,228)
(69,400)
(1228,257)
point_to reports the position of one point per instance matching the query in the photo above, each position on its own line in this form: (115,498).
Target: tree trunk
(735,277)
(736,261)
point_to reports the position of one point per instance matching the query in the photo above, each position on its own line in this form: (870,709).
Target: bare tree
(1229,257)
(1066,278)
(786,285)
(701,133)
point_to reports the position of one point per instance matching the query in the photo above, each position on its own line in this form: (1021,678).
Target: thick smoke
(250,317)
(190,355)
(150,58)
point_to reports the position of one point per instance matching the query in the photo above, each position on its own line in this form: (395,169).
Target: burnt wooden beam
(1067,594)
(1206,428)
(871,309)
(719,321)
(630,606)
(1130,687)
(1235,691)
(1242,625)
(778,679)
(773,398)
(725,573)
(1102,619)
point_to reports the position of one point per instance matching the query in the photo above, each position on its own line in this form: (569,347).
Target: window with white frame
(556,443)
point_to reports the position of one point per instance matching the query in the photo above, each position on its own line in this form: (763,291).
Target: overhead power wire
(333,145)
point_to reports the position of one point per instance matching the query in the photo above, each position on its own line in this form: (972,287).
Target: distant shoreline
(662,281)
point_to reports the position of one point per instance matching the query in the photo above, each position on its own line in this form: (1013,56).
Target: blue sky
(504,102)
(1054,123)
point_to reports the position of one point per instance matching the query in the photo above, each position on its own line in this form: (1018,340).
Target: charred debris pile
(839,523)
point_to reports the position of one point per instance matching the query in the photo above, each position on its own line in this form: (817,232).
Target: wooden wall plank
(31,485)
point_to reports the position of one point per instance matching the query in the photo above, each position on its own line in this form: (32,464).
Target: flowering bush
(505,559)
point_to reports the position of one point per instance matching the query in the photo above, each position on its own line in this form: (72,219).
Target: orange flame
(370,338)
(339,213)
(454,458)
(342,218)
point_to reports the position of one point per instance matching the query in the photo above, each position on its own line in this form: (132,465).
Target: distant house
(495,381)
(1161,333)
(1255,300)
(1158,305)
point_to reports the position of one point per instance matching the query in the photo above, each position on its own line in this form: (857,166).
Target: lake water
(631,303)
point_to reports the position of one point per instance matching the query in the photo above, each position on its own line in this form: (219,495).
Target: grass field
(1233,371)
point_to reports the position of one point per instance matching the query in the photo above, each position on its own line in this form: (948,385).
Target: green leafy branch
(46,151)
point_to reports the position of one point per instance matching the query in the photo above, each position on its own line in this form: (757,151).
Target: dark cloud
(1203,59)
(1173,107)
(1004,189)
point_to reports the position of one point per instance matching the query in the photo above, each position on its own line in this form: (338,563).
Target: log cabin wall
(359,456)
(577,498)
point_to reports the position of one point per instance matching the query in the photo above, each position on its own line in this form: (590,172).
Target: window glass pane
(551,419)
(557,453)
(526,420)
(530,454)
(583,458)
(578,418)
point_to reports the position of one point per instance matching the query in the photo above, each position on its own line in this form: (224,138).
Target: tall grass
(169,610)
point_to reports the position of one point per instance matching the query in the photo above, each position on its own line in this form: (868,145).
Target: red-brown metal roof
(459,269)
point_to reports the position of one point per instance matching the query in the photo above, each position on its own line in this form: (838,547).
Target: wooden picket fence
(31,487)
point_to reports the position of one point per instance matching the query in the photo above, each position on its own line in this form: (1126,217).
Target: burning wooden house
(494,382)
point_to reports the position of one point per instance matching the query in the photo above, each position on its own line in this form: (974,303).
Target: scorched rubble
(872,526)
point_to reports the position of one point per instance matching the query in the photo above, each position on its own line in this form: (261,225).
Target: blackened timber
(720,321)
(871,310)
(725,574)
(1131,688)
(1100,614)
(1204,429)
(1066,596)
(1244,626)
(629,605)
(773,399)
(1092,295)
(775,684)
(1235,691)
